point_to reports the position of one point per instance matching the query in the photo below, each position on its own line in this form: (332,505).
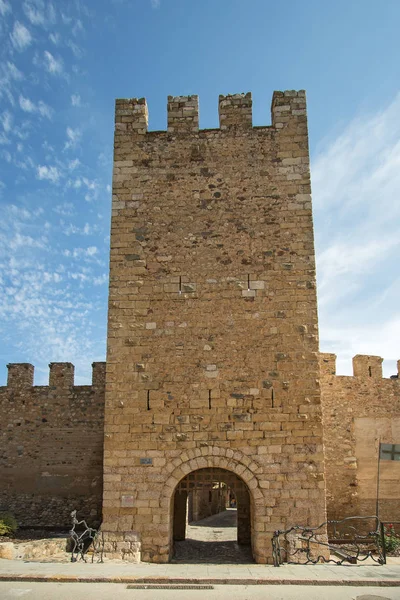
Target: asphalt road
(111,591)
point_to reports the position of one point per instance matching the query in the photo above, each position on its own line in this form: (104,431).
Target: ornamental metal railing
(351,540)
(85,540)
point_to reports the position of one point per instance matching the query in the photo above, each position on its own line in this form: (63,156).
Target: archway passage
(211,518)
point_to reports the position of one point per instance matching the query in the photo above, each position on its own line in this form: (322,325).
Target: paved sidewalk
(119,572)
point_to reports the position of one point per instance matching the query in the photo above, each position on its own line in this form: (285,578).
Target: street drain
(151,586)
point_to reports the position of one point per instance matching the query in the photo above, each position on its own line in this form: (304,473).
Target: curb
(202,581)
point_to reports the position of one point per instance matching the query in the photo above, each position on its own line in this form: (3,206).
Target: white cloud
(66,19)
(55,38)
(19,212)
(6,119)
(38,13)
(21,37)
(26,104)
(14,72)
(4,7)
(79,252)
(35,15)
(4,140)
(76,100)
(41,304)
(101,280)
(44,109)
(51,13)
(73,230)
(53,65)
(73,138)
(26,241)
(78,27)
(66,209)
(92,186)
(356,178)
(50,173)
(73,164)
(30,107)
(76,50)
(155,4)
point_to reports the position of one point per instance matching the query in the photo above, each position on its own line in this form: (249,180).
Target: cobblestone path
(212,540)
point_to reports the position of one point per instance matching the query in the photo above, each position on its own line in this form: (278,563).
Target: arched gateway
(207,492)
(232,468)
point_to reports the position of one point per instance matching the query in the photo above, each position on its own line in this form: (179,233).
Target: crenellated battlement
(183,114)
(235,113)
(366,366)
(61,375)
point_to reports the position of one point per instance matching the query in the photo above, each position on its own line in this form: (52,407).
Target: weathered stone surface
(32,550)
(212,350)
(225,233)
(51,446)
(359,412)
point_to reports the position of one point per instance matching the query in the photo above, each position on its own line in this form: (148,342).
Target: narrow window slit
(180,284)
(370,371)
(248,281)
(148,399)
(272,398)
(209,398)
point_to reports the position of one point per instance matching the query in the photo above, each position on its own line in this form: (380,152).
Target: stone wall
(212,334)
(51,446)
(359,412)
(207,502)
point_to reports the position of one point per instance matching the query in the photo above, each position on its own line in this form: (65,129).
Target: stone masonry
(359,412)
(212,356)
(212,359)
(38,427)
(51,445)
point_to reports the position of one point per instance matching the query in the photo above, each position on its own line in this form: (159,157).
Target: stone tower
(212,365)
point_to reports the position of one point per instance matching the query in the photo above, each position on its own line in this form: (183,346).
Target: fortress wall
(358,412)
(51,446)
(212,332)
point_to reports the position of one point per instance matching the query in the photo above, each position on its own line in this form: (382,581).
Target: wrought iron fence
(85,540)
(350,540)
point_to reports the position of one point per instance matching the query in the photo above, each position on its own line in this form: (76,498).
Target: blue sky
(62,64)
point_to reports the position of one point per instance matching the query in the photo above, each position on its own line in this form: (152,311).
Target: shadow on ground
(213,540)
(196,551)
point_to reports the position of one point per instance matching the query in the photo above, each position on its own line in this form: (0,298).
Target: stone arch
(223,458)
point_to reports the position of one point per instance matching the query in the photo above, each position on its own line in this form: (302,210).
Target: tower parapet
(183,114)
(131,115)
(367,366)
(289,111)
(98,374)
(235,111)
(20,375)
(327,362)
(364,366)
(61,375)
